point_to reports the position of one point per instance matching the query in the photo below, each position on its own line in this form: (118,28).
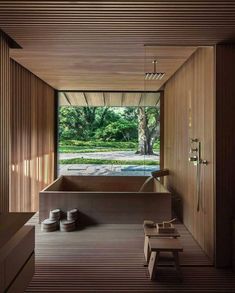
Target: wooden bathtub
(107,199)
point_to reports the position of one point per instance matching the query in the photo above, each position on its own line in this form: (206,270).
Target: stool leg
(152,267)
(146,249)
(177,264)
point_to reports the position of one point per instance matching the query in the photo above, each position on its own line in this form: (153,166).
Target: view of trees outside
(108,140)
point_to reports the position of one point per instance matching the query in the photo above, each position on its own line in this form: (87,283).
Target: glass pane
(119,136)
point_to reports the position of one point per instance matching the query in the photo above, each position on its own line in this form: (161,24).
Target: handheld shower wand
(195,157)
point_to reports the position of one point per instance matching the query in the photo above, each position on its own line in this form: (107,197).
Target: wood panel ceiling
(100,44)
(108,99)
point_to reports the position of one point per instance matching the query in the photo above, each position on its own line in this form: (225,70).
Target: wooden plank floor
(109,258)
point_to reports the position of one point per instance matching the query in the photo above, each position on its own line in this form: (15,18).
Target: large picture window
(99,135)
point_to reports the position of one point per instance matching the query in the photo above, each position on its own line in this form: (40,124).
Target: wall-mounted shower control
(195,158)
(194,140)
(195,152)
(192,150)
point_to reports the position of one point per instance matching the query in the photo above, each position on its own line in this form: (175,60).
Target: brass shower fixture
(195,152)
(195,158)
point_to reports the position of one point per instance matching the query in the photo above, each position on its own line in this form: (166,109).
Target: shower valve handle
(194,140)
(193,150)
(193,159)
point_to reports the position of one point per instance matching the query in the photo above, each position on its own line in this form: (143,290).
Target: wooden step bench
(158,245)
(150,232)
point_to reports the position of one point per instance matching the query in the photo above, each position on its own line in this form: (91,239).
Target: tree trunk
(146,138)
(142,129)
(150,143)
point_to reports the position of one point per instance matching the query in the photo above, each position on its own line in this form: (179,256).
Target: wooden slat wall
(32,136)
(225,152)
(4,123)
(189,113)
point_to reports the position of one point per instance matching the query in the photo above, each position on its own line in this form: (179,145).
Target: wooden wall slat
(100,44)
(225,158)
(4,123)
(189,113)
(32,135)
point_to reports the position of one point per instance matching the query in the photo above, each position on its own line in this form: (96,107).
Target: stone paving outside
(119,155)
(112,170)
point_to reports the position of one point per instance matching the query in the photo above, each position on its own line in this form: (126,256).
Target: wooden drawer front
(20,284)
(19,254)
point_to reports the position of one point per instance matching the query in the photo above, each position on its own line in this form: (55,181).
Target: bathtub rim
(163,190)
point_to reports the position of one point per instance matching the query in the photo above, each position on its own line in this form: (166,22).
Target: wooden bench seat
(152,232)
(158,245)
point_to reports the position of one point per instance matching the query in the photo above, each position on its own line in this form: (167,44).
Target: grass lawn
(75,149)
(75,146)
(107,162)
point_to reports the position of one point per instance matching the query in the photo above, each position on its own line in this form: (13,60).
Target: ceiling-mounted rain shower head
(154,75)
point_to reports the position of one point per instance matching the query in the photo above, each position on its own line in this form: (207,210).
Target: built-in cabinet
(17,242)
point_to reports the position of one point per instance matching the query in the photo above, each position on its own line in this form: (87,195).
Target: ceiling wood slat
(100,45)
(95,99)
(108,99)
(150,99)
(77,99)
(64,100)
(131,99)
(113,99)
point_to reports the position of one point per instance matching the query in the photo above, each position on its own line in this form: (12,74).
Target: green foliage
(72,149)
(69,125)
(85,123)
(76,146)
(153,120)
(104,123)
(121,130)
(89,128)
(99,144)
(156,145)
(107,162)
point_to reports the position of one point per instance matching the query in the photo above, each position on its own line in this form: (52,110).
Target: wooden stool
(153,233)
(163,245)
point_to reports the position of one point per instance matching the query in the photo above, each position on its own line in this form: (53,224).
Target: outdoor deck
(109,258)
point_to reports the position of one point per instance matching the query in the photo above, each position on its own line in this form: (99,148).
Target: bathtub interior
(106,184)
